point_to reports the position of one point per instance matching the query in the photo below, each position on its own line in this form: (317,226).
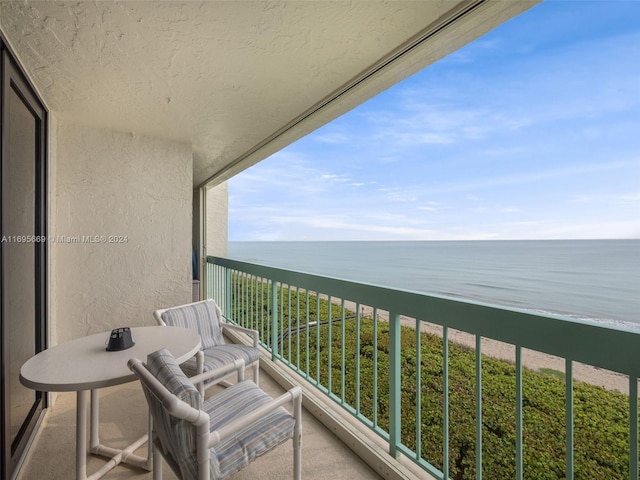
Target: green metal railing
(344,336)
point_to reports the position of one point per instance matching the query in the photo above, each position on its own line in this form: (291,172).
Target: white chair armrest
(255,336)
(173,405)
(237,365)
(157,316)
(294,395)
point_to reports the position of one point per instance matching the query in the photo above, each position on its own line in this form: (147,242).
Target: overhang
(237,80)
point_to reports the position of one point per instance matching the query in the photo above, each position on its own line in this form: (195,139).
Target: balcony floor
(123,418)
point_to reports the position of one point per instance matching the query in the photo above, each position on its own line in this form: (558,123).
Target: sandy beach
(531,359)
(536,361)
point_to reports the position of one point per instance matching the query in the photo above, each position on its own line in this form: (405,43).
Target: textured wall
(52,162)
(217,220)
(225,76)
(122,229)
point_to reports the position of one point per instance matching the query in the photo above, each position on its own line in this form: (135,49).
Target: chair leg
(297,438)
(157,463)
(199,370)
(256,373)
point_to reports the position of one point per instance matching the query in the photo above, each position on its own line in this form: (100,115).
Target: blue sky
(530,132)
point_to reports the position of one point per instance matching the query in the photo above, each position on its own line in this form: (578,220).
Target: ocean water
(597,280)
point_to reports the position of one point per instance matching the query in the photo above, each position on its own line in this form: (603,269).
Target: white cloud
(317,206)
(332,137)
(607,198)
(332,177)
(630,198)
(514,147)
(432,206)
(592,230)
(567,171)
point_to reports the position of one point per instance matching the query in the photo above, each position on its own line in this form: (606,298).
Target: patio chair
(205,317)
(213,438)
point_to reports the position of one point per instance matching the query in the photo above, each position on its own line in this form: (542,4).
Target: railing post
(227,292)
(274,320)
(445,402)
(633,427)
(395,374)
(478,407)
(568,412)
(519,416)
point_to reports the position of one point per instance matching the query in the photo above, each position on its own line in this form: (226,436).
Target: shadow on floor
(123,418)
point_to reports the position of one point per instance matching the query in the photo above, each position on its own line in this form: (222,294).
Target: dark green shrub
(601,417)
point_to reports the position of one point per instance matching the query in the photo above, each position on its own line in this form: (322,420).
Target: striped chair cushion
(220,356)
(251,442)
(178,437)
(205,317)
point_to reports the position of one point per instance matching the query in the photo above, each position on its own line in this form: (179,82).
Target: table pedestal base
(116,456)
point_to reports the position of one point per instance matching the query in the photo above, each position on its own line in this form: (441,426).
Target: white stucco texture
(122,239)
(218,220)
(221,76)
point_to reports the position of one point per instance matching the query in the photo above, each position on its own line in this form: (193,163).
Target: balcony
(381,402)
(123,419)
(171,120)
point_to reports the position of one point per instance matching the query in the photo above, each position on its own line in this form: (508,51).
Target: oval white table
(84,365)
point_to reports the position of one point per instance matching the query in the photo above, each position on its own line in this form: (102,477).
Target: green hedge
(600,417)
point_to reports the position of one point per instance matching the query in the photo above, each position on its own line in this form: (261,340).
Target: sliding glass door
(22,256)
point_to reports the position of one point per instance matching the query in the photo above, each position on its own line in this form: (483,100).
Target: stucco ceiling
(230,77)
